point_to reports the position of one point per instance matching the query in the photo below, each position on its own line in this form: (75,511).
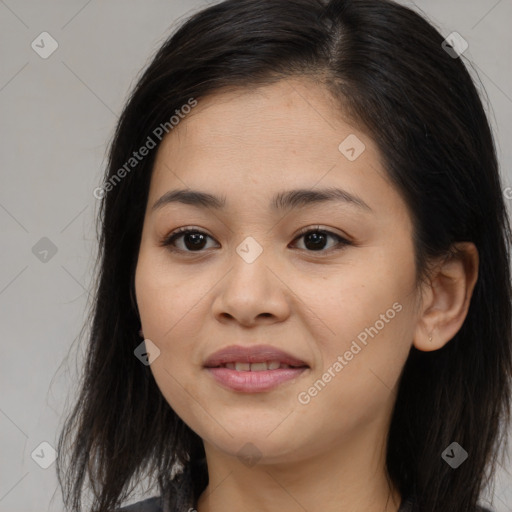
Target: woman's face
(346,311)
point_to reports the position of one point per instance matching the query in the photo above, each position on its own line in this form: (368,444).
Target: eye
(194,239)
(315,239)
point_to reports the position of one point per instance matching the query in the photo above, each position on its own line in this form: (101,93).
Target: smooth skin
(247,146)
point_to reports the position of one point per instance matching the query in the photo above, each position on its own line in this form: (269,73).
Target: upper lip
(253,354)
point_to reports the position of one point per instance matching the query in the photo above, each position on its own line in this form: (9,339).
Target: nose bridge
(251,288)
(250,264)
(250,250)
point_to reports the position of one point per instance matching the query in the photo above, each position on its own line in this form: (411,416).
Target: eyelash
(172,237)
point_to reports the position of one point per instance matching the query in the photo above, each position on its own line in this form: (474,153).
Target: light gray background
(57,117)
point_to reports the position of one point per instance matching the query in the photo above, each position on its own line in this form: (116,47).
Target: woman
(304,297)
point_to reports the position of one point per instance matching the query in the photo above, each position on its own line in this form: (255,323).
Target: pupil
(317,238)
(197,238)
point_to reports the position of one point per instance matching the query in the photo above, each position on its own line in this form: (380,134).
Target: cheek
(166,300)
(357,379)
(172,316)
(367,325)
(347,303)
(170,312)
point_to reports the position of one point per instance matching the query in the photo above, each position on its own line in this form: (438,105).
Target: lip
(253,354)
(253,381)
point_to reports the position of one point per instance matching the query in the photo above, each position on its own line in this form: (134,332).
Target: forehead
(296,114)
(277,137)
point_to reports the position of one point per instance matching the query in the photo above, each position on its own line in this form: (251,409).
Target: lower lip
(254,382)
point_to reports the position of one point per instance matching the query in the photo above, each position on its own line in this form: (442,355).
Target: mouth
(254,358)
(253,369)
(257,367)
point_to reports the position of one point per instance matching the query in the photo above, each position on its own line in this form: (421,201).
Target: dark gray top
(180,498)
(157,505)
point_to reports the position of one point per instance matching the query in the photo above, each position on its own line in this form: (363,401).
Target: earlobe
(448,296)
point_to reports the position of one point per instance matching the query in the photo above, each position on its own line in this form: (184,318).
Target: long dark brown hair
(387,67)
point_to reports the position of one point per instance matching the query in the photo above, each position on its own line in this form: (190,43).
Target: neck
(351,477)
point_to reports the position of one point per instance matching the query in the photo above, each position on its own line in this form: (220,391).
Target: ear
(446,298)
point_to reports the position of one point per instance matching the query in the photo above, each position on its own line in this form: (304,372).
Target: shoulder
(148,505)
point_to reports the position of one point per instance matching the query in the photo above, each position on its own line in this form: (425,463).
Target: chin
(262,441)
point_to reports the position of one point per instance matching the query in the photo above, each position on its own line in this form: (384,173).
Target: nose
(252,292)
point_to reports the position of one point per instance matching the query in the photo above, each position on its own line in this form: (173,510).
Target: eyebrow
(286,200)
